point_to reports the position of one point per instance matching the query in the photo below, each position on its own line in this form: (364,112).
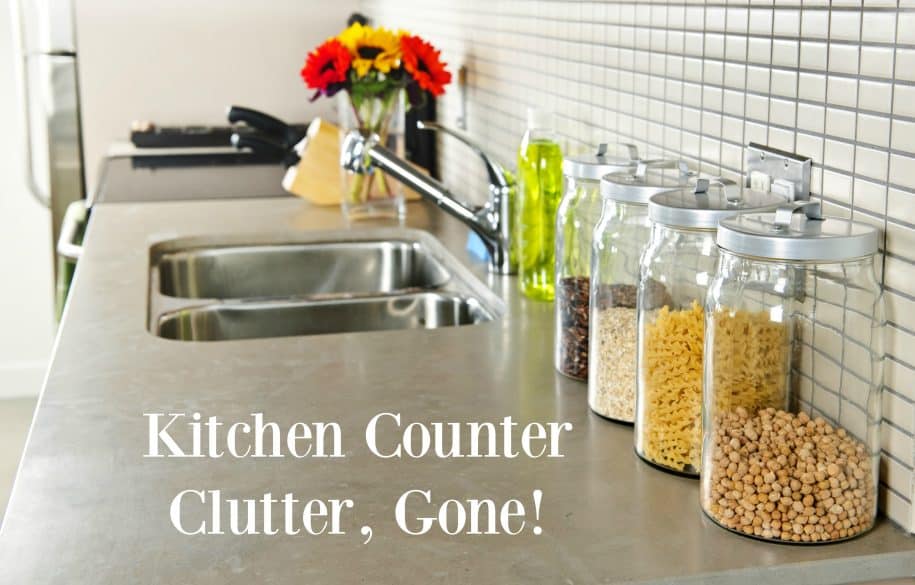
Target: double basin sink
(324,282)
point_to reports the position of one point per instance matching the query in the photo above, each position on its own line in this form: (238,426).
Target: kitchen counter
(88,508)
(156,175)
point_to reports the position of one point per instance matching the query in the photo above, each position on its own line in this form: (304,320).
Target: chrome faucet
(363,154)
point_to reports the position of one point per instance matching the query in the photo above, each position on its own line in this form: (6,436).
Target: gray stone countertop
(87,507)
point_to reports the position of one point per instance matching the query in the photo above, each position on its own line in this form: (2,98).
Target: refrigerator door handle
(73,223)
(25,97)
(34,188)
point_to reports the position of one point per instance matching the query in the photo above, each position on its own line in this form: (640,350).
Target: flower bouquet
(372,69)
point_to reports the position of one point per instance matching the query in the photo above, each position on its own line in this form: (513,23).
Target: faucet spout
(363,155)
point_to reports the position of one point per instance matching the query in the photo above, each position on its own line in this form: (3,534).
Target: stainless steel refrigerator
(49,91)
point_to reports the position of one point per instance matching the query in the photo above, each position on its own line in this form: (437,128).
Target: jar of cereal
(619,240)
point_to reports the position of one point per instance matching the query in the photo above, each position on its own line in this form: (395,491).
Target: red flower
(326,67)
(421,60)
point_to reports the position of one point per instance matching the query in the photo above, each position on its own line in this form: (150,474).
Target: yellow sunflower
(371,47)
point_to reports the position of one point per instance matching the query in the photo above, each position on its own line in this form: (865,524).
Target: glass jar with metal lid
(579,211)
(677,266)
(619,239)
(793,377)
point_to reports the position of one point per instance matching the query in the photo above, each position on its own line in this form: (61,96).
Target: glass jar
(579,211)
(539,192)
(793,378)
(619,239)
(376,195)
(677,266)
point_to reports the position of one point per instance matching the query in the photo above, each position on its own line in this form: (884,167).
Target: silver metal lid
(594,166)
(710,201)
(648,178)
(788,235)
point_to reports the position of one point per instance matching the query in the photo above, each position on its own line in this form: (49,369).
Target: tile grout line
(889,166)
(797,85)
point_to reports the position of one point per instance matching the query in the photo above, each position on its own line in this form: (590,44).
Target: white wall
(184,61)
(26,287)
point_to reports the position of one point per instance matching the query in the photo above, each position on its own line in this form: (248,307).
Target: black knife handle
(260,120)
(266,146)
(258,143)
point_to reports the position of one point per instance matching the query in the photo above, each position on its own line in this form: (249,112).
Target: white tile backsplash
(844,26)
(900,240)
(760,21)
(839,155)
(875,96)
(905,31)
(877,62)
(808,144)
(785,53)
(840,123)
(815,24)
(812,87)
(783,83)
(902,171)
(905,64)
(878,27)
(873,130)
(786,22)
(871,163)
(844,59)
(759,50)
(899,274)
(904,135)
(842,91)
(814,55)
(828,79)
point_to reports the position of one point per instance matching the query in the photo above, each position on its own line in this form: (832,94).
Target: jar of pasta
(791,451)
(619,240)
(676,269)
(579,211)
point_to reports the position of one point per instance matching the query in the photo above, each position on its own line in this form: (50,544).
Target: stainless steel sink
(205,289)
(252,320)
(304,269)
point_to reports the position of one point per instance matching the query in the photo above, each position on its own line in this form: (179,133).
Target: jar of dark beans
(579,211)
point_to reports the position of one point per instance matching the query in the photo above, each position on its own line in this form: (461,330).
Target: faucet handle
(353,151)
(494,170)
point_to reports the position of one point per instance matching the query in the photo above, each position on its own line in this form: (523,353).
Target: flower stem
(372,115)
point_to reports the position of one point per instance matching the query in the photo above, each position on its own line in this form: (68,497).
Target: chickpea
(786,476)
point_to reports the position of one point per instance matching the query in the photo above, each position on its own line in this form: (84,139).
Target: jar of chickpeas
(676,269)
(791,452)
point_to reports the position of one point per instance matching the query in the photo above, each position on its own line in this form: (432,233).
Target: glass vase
(373,195)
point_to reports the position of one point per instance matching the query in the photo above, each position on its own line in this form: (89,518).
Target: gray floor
(15,418)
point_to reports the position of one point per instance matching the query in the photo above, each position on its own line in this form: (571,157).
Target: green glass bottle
(539,193)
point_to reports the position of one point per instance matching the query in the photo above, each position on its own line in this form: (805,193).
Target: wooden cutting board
(317,176)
